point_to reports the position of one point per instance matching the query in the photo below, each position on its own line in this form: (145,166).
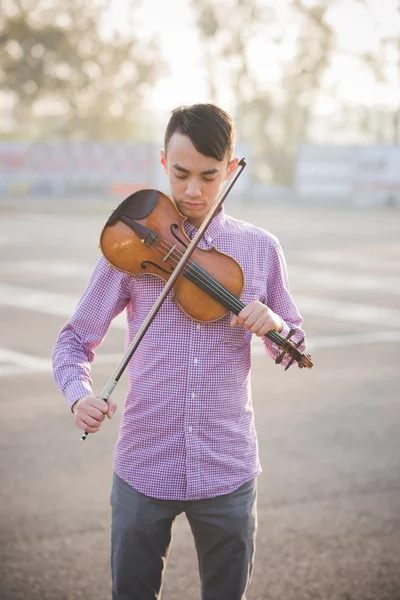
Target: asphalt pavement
(329,437)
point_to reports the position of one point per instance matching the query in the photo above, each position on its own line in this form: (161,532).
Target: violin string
(215,287)
(201,275)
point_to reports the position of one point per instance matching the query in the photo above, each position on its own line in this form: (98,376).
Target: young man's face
(194,179)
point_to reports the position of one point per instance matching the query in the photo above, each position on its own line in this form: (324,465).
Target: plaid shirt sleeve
(280,301)
(104,298)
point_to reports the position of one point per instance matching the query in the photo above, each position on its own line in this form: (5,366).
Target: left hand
(257,318)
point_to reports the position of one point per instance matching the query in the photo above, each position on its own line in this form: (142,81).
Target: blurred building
(100,169)
(349,174)
(324,174)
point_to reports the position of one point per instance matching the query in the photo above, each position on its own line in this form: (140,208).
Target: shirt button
(198,326)
(190,429)
(196,360)
(209,239)
(193,395)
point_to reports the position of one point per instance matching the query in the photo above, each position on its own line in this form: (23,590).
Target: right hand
(90,412)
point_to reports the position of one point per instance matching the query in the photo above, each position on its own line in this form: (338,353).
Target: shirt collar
(213,229)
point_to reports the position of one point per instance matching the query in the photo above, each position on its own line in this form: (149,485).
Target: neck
(195,222)
(198,221)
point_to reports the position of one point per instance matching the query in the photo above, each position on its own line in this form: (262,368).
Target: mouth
(192,205)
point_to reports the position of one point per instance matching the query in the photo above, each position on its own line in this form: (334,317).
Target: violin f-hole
(149,262)
(173,228)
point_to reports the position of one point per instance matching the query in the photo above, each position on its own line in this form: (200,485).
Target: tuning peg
(279,359)
(292,361)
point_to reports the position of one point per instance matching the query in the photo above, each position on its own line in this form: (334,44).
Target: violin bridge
(166,257)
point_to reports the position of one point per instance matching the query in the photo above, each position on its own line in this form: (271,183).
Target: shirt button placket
(192,466)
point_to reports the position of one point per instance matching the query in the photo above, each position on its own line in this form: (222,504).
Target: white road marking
(343,280)
(6,371)
(358,339)
(23,360)
(340,227)
(48,303)
(63,305)
(17,363)
(53,269)
(348,311)
(348,259)
(325,278)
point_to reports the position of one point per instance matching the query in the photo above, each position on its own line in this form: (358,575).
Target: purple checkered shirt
(187,430)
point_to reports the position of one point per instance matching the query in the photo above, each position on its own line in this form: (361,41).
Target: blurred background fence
(100,169)
(361,175)
(327,174)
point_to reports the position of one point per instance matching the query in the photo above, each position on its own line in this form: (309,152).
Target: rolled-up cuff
(77,390)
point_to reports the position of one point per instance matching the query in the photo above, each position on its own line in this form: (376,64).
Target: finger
(234,321)
(95,413)
(82,425)
(252,318)
(269,325)
(244,314)
(263,329)
(112,407)
(88,420)
(254,323)
(258,326)
(100,405)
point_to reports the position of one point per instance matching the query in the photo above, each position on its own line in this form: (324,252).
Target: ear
(232,165)
(163,161)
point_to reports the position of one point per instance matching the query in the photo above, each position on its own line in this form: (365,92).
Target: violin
(145,234)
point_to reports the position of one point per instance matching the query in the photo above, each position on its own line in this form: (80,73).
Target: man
(187,440)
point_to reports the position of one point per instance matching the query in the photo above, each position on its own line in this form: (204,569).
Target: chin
(184,208)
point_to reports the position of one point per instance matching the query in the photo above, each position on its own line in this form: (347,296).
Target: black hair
(210,129)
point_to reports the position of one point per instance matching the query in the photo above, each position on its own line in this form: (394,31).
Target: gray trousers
(223,528)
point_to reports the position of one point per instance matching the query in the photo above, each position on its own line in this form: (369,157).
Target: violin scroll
(303,359)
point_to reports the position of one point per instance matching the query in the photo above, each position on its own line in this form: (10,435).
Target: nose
(193,189)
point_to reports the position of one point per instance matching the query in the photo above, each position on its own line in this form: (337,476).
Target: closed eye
(185,177)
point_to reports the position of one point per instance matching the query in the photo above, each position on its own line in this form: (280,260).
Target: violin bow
(224,191)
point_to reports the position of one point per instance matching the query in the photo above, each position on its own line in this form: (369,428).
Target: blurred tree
(390,52)
(66,77)
(377,123)
(208,25)
(226,29)
(275,120)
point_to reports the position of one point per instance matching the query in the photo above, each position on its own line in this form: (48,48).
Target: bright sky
(171,23)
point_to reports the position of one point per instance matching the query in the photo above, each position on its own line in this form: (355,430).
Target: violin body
(145,236)
(123,244)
